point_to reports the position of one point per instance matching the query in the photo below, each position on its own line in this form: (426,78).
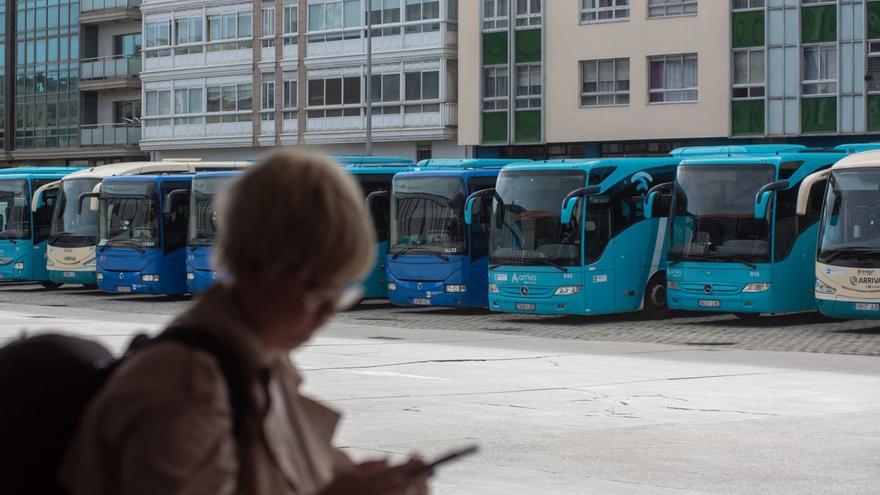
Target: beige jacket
(161,425)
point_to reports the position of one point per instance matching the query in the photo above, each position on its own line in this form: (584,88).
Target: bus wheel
(50,285)
(747,316)
(655,307)
(91,286)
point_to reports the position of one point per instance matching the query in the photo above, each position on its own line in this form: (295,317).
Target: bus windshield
(850,231)
(713,214)
(129,215)
(14,211)
(203,220)
(72,226)
(526,224)
(429,216)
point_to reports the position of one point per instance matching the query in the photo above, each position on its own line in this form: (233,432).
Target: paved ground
(562,416)
(803,332)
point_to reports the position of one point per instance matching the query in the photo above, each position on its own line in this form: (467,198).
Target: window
(671,8)
(673,78)
(127,112)
(528,86)
(873,68)
(748,73)
(495,88)
(748,4)
(158,34)
(267,27)
(333,16)
(819,70)
(604,10)
(229,98)
(187,100)
(158,102)
(290,94)
(334,92)
(814,2)
(291,24)
(124,44)
(605,82)
(229,26)
(422,86)
(385,12)
(495,14)
(422,10)
(528,13)
(423,152)
(267,96)
(188,31)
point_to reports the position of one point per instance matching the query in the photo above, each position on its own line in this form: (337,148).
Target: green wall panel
(748,29)
(528,46)
(495,127)
(873,20)
(747,117)
(495,49)
(819,115)
(874,113)
(527,126)
(819,24)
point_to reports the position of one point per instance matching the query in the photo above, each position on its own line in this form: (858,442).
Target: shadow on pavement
(152,299)
(785,320)
(859,331)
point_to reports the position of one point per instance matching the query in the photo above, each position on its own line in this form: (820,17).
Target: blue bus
(142,231)
(434,258)
(24,226)
(571,237)
(375,180)
(736,243)
(200,273)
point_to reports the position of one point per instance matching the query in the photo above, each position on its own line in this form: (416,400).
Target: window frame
(665,90)
(530,97)
(750,86)
(830,85)
(495,98)
(669,7)
(615,93)
(598,9)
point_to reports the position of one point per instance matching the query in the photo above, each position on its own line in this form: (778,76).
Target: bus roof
(141,168)
(469,163)
(148,177)
(793,167)
(747,149)
(221,173)
(39,170)
(379,169)
(864,159)
(361,161)
(858,147)
(614,170)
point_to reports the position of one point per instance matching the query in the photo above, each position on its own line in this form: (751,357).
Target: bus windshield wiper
(736,259)
(421,251)
(8,237)
(123,242)
(713,259)
(853,252)
(550,263)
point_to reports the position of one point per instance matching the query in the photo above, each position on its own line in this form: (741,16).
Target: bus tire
(50,285)
(747,316)
(90,286)
(655,307)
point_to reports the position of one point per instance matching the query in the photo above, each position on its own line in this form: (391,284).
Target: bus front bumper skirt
(737,302)
(850,310)
(198,281)
(409,293)
(557,305)
(83,277)
(121,282)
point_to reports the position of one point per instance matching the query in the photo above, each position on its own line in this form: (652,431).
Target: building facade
(66,66)
(609,77)
(229,79)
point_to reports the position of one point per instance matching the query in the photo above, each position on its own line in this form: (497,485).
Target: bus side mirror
(469,204)
(93,203)
(571,199)
(649,204)
(373,197)
(654,200)
(168,207)
(765,194)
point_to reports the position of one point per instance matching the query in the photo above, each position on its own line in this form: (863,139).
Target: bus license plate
(422,302)
(525,306)
(69,274)
(867,307)
(705,303)
(123,289)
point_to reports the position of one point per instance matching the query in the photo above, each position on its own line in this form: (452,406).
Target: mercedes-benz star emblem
(707,289)
(419,287)
(524,291)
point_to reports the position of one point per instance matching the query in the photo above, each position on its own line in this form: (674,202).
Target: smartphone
(452,456)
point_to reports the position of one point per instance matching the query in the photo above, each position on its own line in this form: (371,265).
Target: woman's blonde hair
(296,214)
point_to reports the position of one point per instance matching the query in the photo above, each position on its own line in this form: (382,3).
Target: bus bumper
(409,293)
(558,305)
(73,277)
(850,310)
(19,271)
(738,302)
(199,280)
(123,282)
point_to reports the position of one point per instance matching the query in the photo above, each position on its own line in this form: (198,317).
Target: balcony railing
(93,5)
(110,135)
(114,67)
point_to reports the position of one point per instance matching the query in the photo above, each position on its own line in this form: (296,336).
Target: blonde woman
(294,236)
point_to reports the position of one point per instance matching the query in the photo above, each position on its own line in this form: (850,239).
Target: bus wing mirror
(469,204)
(37,200)
(765,194)
(655,197)
(806,189)
(373,197)
(93,197)
(167,208)
(571,199)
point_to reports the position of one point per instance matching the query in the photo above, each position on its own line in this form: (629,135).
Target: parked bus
(434,258)
(375,179)
(24,231)
(71,248)
(848,257)
(572,237)
(143,222)
(200,272)
(736,243)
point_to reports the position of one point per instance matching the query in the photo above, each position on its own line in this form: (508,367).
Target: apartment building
(608,77)
(228,79)
(70,82)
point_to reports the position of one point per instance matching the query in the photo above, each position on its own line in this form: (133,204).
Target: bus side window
(814,206)
(483,207)
(177,221)
(785,230)
(597,232)
(43,215)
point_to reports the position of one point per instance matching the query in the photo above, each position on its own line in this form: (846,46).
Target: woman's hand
(379,478)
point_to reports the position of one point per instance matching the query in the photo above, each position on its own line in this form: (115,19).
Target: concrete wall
(469,72)
(106,99)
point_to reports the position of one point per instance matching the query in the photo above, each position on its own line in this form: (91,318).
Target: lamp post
(369,89)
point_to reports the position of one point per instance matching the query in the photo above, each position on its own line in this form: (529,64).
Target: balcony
(409,36)
(417,121)
(115,72)
(116,135)
(97,11)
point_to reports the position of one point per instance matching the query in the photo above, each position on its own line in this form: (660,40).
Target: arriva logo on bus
(519,278)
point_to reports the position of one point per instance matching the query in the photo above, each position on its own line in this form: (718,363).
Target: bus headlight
(672,284)
(760,287)
(90,263)
(99,276)
(190,276)
(823,288)
(392,286)
(567,290)
(149,278)
(18,266)
(493,289)
(456,289)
